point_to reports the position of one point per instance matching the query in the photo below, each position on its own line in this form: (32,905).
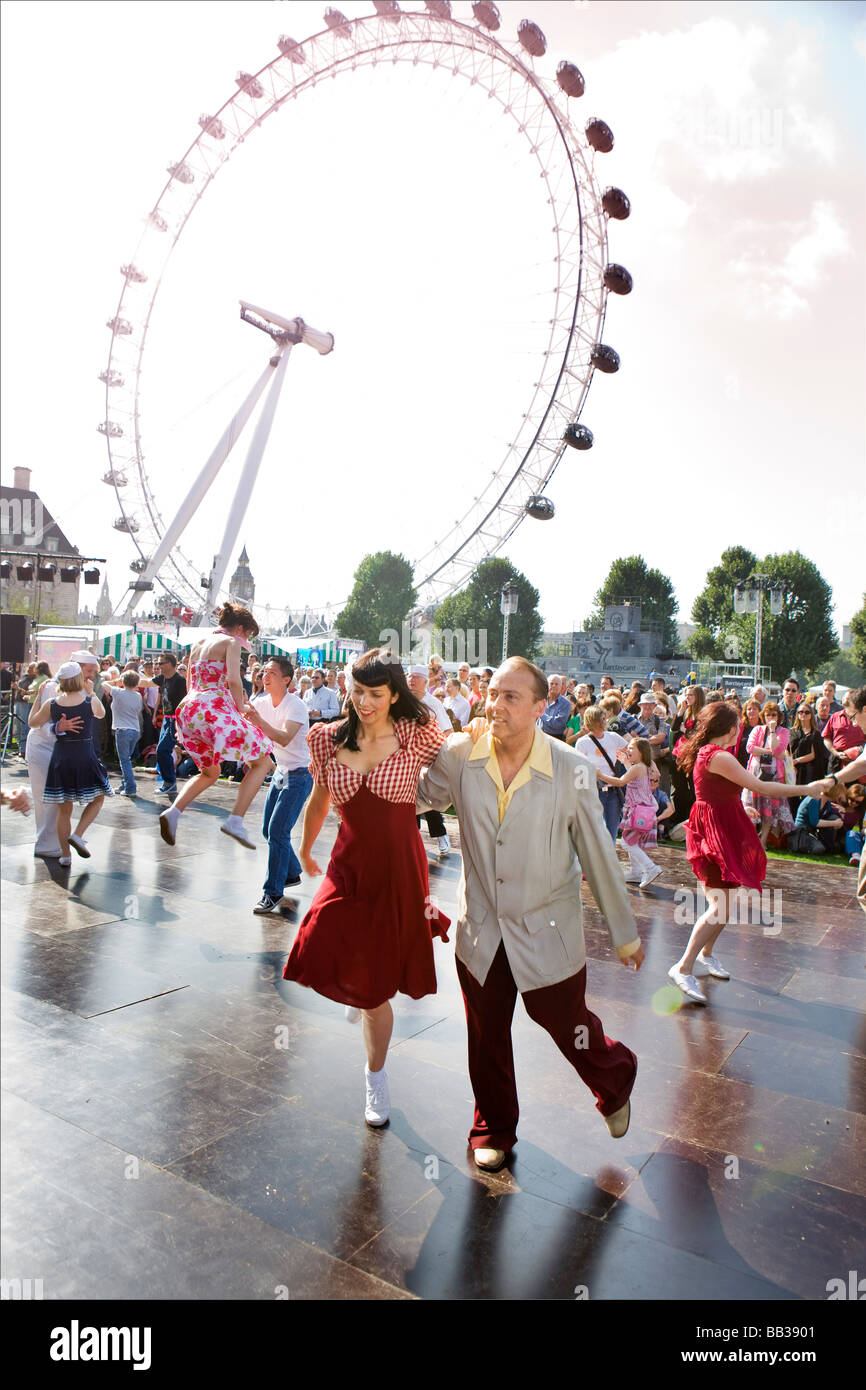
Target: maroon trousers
(607,1067)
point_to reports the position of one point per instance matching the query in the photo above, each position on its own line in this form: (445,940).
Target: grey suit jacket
(521,879)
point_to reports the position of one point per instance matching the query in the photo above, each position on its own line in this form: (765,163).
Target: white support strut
(241,498)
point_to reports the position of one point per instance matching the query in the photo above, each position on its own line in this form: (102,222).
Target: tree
(474,612)
(841,668)
(382,596)
(630,578)
(801,636)
(858,628)
(713,609)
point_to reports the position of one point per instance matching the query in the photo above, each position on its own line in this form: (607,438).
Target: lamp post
(749,598)
(507,606)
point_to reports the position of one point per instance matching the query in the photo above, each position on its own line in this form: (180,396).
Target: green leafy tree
(629,577)
(713,609)
(858,628)
(475,610)
(801,637)
(841,668)
(382,596)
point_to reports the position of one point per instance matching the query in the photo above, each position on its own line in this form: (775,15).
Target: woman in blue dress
(76,772)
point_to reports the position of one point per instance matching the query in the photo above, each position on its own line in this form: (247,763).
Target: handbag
(766,764)
(641,818)
(620,791)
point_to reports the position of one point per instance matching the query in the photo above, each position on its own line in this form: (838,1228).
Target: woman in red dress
(722,844)
(369,932)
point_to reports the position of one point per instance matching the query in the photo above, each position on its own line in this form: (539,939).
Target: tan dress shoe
(491,1160)
(619,1121)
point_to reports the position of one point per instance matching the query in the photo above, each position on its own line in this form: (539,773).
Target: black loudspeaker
(14,636)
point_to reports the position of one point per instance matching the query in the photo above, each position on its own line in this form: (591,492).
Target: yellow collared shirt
(539,760)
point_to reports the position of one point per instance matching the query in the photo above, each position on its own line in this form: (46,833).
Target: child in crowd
(662,800)
(638,823)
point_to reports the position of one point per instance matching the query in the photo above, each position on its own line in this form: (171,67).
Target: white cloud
(778,289)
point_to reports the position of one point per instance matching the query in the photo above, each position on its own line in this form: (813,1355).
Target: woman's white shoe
(377,1111)
(352,1015)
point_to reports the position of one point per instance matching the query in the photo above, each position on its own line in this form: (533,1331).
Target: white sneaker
(444,845)
(352,1015)
(688,984)
(79,844)
(234,826)
(491,1160)
(710,965)
(649,877)
(377,1111)
(168,824)
(631,878)
(64,861)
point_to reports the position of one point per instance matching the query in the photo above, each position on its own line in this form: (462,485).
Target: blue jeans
(167,779)
(288,792)
(610,809)
(853,842)
(125,741)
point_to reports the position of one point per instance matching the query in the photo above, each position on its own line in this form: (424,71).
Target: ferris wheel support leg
(247,480)
(198,491)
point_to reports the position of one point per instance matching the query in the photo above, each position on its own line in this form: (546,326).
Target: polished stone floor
(181,1123)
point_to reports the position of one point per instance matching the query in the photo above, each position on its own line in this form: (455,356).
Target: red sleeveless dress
(722,844)
(369,932)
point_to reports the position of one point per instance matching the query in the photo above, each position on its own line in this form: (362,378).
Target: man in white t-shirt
(591,745)
(455,701)
(285,719)
(416,677)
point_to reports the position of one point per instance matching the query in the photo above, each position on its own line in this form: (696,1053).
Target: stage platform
(181,1123)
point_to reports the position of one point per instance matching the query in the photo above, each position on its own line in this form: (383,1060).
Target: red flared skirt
(369,932)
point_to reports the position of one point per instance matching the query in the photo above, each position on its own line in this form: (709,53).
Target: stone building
(48,591)
(242,586)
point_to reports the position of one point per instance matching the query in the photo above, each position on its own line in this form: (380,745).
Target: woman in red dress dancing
(369,932)
(722,845)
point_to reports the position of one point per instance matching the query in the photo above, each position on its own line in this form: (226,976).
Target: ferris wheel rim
(473,39)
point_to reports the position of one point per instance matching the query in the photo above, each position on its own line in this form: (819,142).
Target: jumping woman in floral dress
(212,725)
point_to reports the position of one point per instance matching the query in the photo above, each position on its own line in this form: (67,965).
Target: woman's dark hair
(715,719)
(43,669)
(232,615)
(376,668)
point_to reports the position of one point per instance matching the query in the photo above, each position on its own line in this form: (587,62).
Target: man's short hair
(791,680)
(169,657)
(606,677)
(130,679)
(858,698)
(284,665)
(539,679)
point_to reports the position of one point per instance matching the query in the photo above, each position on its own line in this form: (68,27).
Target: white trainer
(79,844)
(444,845)
(710,965)
(168,824)
(688,984)
(377,1111)
(649,877)
(631,878)
(491,1160)
(234,826)
(352,1015)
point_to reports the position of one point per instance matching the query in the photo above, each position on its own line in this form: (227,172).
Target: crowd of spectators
(797,738)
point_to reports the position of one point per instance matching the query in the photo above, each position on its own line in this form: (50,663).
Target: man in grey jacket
(530,825)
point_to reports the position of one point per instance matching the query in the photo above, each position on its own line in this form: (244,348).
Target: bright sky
(395,210)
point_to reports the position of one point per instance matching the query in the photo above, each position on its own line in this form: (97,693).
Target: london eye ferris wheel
(543,109)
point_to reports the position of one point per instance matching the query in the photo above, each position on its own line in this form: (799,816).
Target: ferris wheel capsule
(618,279)
(540,508)
(487,14)
(605,358)
(578,436)
(531,38)
(599,135)
(440,9)
(570,79)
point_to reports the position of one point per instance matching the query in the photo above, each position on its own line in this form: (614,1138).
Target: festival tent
(116,642)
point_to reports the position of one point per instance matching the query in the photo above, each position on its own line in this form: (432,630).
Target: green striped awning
(117,644)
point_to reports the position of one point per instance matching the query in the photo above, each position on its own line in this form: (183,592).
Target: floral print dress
(209,724)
